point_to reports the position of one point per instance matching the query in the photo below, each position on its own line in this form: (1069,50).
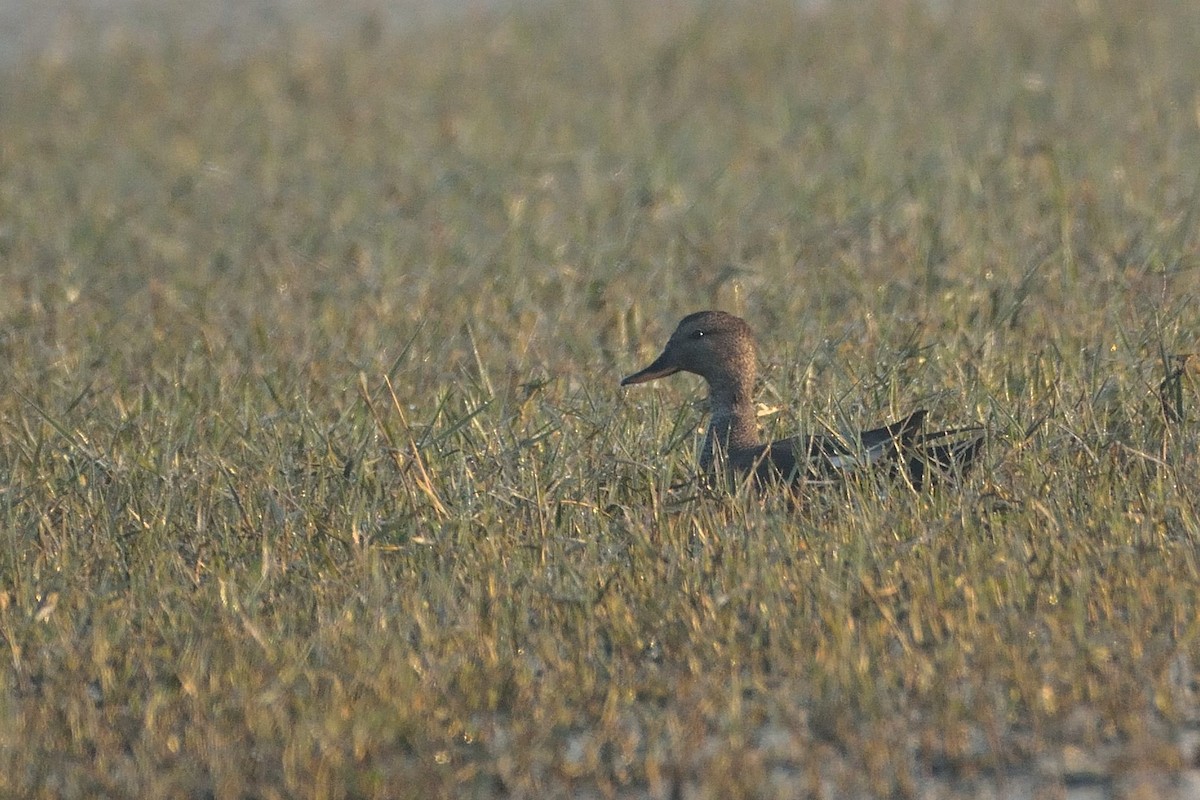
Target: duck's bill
(661,368)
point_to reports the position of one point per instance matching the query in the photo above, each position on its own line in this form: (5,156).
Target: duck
(721,349)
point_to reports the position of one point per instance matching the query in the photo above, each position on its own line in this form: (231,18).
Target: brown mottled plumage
(720,348)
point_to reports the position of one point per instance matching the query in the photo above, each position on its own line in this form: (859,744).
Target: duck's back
(827,456)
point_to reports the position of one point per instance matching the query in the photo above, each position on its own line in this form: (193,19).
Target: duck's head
(717,346)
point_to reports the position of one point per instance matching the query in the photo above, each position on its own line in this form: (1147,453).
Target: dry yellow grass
(316,481)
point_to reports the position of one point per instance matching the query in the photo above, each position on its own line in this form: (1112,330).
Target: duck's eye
(697,335)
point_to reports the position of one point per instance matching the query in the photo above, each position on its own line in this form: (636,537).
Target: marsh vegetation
(315,475)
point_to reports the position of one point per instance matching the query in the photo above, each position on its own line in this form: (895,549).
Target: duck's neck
(734,424)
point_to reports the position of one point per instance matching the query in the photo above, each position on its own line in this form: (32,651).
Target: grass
(316,480)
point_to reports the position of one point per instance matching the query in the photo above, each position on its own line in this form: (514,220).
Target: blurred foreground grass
(315,479)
